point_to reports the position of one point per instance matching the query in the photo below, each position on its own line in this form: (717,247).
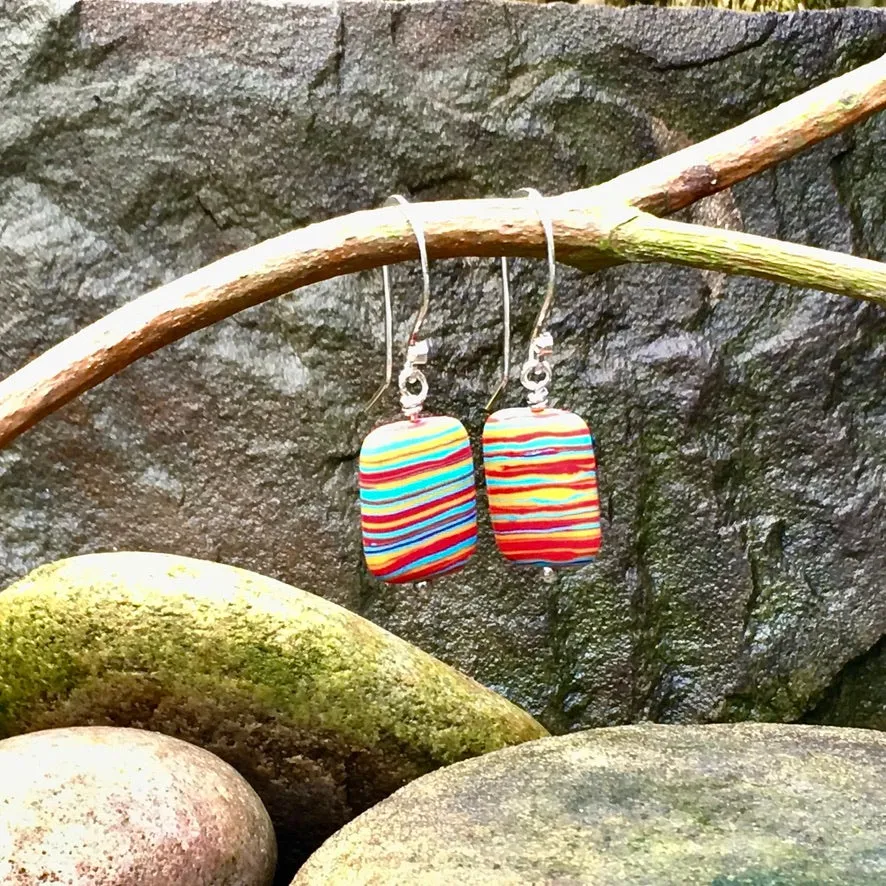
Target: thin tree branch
(343,245)
(681,178)
(593,228)
(646,238)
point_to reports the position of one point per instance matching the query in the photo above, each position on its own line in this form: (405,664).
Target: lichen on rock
(743,804)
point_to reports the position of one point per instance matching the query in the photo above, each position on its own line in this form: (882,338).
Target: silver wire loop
(538,386)
(548,227)
(542,372)
(416,351)
(411,402)
(419,232)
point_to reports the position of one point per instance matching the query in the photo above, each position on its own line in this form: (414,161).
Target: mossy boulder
(323,712)
(96,806)
(748,804)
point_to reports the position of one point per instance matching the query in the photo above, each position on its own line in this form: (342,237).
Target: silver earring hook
(548,226)
(536,373)
(411,401)
(506,296)
(389,338)
(411,355)
(419,232)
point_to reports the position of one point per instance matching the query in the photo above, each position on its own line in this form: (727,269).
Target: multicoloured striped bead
(417,499)
(541,477)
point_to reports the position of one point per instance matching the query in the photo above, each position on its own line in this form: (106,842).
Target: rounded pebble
(101,806)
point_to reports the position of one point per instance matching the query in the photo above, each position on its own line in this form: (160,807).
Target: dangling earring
(418,502)
(541,473)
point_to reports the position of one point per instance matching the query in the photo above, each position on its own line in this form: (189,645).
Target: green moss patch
(322,711)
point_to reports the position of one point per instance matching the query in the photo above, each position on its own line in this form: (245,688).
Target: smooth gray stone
(726,805)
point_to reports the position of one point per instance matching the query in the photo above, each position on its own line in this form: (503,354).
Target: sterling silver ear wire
(416,350)
(506,319)
(541,342)
(389,338)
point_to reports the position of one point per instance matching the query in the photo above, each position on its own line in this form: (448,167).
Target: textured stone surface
(742,804)
(94,806)
(741,425)
(741,5)
(858,696)
(321,711)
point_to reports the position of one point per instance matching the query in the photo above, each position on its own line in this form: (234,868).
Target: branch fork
(595,227)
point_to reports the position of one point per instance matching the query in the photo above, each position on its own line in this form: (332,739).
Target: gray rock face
(741,425)
(858,696)
(97,806)
(651,805)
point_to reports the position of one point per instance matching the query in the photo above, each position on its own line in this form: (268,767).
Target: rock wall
(741,425)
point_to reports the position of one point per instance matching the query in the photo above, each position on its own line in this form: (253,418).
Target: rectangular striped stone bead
(418,501)
(541,478)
